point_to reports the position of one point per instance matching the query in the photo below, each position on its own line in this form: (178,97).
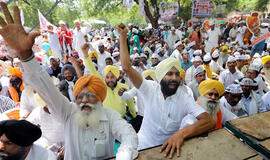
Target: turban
(112,69)
(70,68)
(265,59)
(93,53)
(150,73)
(208,85)
(94,84)
(166,65)
(20,132)
(183,74)
(16,72)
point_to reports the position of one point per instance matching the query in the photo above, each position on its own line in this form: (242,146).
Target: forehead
(85,90)
(110,74)
(213,91)
(173,69)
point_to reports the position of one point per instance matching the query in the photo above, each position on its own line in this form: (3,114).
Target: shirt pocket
(172,125)
(101,140)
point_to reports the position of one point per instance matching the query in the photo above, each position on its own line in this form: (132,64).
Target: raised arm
(132,74)
(22,42)
(88,61)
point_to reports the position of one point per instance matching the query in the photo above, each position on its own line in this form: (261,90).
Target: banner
(168,11)
(202,8)
(141,7)
(128,4)
(44,22)
(260,39)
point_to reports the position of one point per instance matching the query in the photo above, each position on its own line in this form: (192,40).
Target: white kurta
(81,143)
(213,37)
(55,45)
(176,54)
(266,100)
(227,78)
(216,67)
(39,153)
(78,38)
(162,117)
(189,74)
(234,109)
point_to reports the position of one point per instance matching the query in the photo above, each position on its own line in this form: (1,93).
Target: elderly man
(229,75)
(199,76)
(266,69)
(210,93)
(78,35)
(213,38)
(111,75)
(16,84)
(252,101)
(172,38)
(162,114)
(232,100)
(16,141)
(90,129)
(196,61)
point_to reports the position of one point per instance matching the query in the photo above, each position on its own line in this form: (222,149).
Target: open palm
(14,34)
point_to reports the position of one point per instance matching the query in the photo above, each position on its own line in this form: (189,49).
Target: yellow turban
(115,71)
(185,40)
(93,53)
(150,73)
(208,85)
(16,72)
(183,74)
(224,48)
(94,84)
(265,59)
(166,65)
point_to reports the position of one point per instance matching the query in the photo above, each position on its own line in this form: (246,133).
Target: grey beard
(211,106)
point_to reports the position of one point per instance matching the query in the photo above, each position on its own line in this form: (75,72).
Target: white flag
(141,7)
(44,22)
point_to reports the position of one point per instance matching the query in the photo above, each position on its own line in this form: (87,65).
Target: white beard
(211,106)
(88,118)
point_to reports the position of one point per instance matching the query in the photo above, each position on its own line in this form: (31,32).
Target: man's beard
(113,85)
(211,106)
(15,82)
(88,118)
(19,155)
(165,87)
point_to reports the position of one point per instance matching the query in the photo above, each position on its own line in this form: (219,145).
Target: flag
(44,22)
(21,14)
(141,7)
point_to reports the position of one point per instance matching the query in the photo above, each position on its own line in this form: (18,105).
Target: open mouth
(86,108)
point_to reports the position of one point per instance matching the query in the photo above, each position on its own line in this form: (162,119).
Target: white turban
(165,66)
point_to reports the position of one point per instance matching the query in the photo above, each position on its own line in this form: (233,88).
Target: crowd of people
(135,87)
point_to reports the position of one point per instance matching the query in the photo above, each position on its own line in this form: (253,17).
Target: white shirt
(227,78)
(81,143)
(194,87)
(52,129)
(266,100)
(28,102)
(55,45)
(39,153)
(233,32)
(262,86)
(213,37)
(78,38)
(162,117)
(234,109)
(216,67)
(171,40)
(176,54)
(189,74)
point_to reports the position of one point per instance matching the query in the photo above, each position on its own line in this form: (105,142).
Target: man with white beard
(90,129)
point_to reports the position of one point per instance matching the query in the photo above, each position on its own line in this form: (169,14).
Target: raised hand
(85,49)
(14,34)
(122,29)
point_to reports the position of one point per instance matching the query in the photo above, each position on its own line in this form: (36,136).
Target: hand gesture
(14,34)
(85,49)
(173,143)
(122,29)
(121,91)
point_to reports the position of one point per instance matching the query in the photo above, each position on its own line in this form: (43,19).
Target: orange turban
(208,85)
(94,84)
(16,72)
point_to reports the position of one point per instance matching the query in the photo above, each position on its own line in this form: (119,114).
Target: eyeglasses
(88,96)
(213,94)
